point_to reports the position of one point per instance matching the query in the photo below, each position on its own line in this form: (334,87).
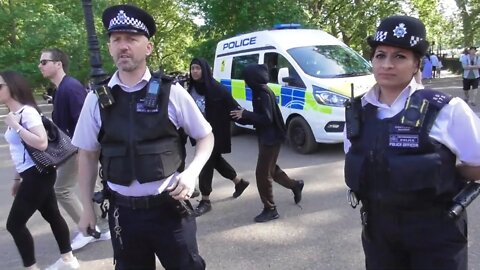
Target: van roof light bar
(279,26)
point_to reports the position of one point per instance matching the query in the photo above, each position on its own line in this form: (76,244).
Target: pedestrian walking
(402,145)
(67,104)
(140,152)
(427,68)
(32,189)
(435,63)
(215,102)
(270,129)
(471,75)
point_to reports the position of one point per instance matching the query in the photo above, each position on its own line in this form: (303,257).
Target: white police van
(310,73)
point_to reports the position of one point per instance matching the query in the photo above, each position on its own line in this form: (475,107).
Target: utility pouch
(184,208)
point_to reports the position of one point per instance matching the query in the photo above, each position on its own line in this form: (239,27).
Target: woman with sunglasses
(32,189)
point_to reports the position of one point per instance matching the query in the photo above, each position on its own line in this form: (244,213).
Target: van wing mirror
(283,76)
(288,80)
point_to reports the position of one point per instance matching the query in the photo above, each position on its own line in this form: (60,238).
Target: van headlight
(329,98)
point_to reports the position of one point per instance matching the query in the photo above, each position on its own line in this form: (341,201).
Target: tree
(469,11)
(350,21)
(225,18)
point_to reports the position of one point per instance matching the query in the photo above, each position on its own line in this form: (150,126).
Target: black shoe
(195,193)
(267,215)
(203,207)
(240,187)
(297,191)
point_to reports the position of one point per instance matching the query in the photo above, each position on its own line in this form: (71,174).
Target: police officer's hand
(184,186)
(87,220)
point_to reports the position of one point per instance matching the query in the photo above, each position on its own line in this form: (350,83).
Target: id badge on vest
(401,136)
(141,108)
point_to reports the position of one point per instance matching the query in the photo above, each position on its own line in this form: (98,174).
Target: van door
(290,91)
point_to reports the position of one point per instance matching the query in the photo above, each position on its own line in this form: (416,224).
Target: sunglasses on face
(45,61)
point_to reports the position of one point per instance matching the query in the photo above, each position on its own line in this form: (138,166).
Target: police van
(311,73)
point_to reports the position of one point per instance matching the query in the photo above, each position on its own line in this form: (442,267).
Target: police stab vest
(138,143)
(400,165)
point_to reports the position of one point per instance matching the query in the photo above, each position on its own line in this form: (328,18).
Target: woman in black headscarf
(270,128)
(215,102)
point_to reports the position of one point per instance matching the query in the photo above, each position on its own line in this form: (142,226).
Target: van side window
(275,62)
(240,62)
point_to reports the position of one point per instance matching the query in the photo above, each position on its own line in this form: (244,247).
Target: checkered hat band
(122,19)
(380,36)
(414,40)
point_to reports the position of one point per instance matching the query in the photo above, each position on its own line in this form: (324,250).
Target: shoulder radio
(151,98)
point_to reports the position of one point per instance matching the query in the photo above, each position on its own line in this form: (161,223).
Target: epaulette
(435,98)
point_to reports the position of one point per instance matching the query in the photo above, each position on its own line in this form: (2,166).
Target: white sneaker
(104,236)
(81,240)
(60,264)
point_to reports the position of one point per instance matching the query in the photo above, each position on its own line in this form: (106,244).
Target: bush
(452,64)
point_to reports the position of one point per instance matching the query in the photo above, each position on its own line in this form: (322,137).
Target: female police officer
(402,145)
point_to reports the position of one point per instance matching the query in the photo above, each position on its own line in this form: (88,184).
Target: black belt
(143,202)
(430,208)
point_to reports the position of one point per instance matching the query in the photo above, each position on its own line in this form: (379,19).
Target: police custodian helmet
(128,18)
(401,31)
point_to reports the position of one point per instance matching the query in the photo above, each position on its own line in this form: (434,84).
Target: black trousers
(36,193)
(159,231)
(415,240)
(217,162)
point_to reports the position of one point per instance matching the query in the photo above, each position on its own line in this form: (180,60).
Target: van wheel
(235,130)
(300,136)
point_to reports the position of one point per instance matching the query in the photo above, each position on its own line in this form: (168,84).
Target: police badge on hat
(128,18)
(401,31)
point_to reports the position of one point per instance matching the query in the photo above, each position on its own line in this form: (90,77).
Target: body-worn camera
(104,95)
(415,111)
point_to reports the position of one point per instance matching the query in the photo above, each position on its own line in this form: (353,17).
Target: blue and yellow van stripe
(289,97)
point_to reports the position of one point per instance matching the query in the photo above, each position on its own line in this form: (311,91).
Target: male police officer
(139,146)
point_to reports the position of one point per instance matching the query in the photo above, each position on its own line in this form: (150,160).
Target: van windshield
(330,61)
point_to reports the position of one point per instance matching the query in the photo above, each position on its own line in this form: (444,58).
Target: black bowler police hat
(128,18)
(401,31)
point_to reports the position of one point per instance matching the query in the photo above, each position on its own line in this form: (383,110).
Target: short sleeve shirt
(182,111)
(21,159)
(456,126)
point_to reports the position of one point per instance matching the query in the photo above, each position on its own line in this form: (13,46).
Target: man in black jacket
(270,128)
(215,102)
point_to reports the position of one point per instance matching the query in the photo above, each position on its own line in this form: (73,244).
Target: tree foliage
(32,25)
(28,26)
(226,18)
(469,11)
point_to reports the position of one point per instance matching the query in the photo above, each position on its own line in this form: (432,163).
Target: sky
(450,7)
